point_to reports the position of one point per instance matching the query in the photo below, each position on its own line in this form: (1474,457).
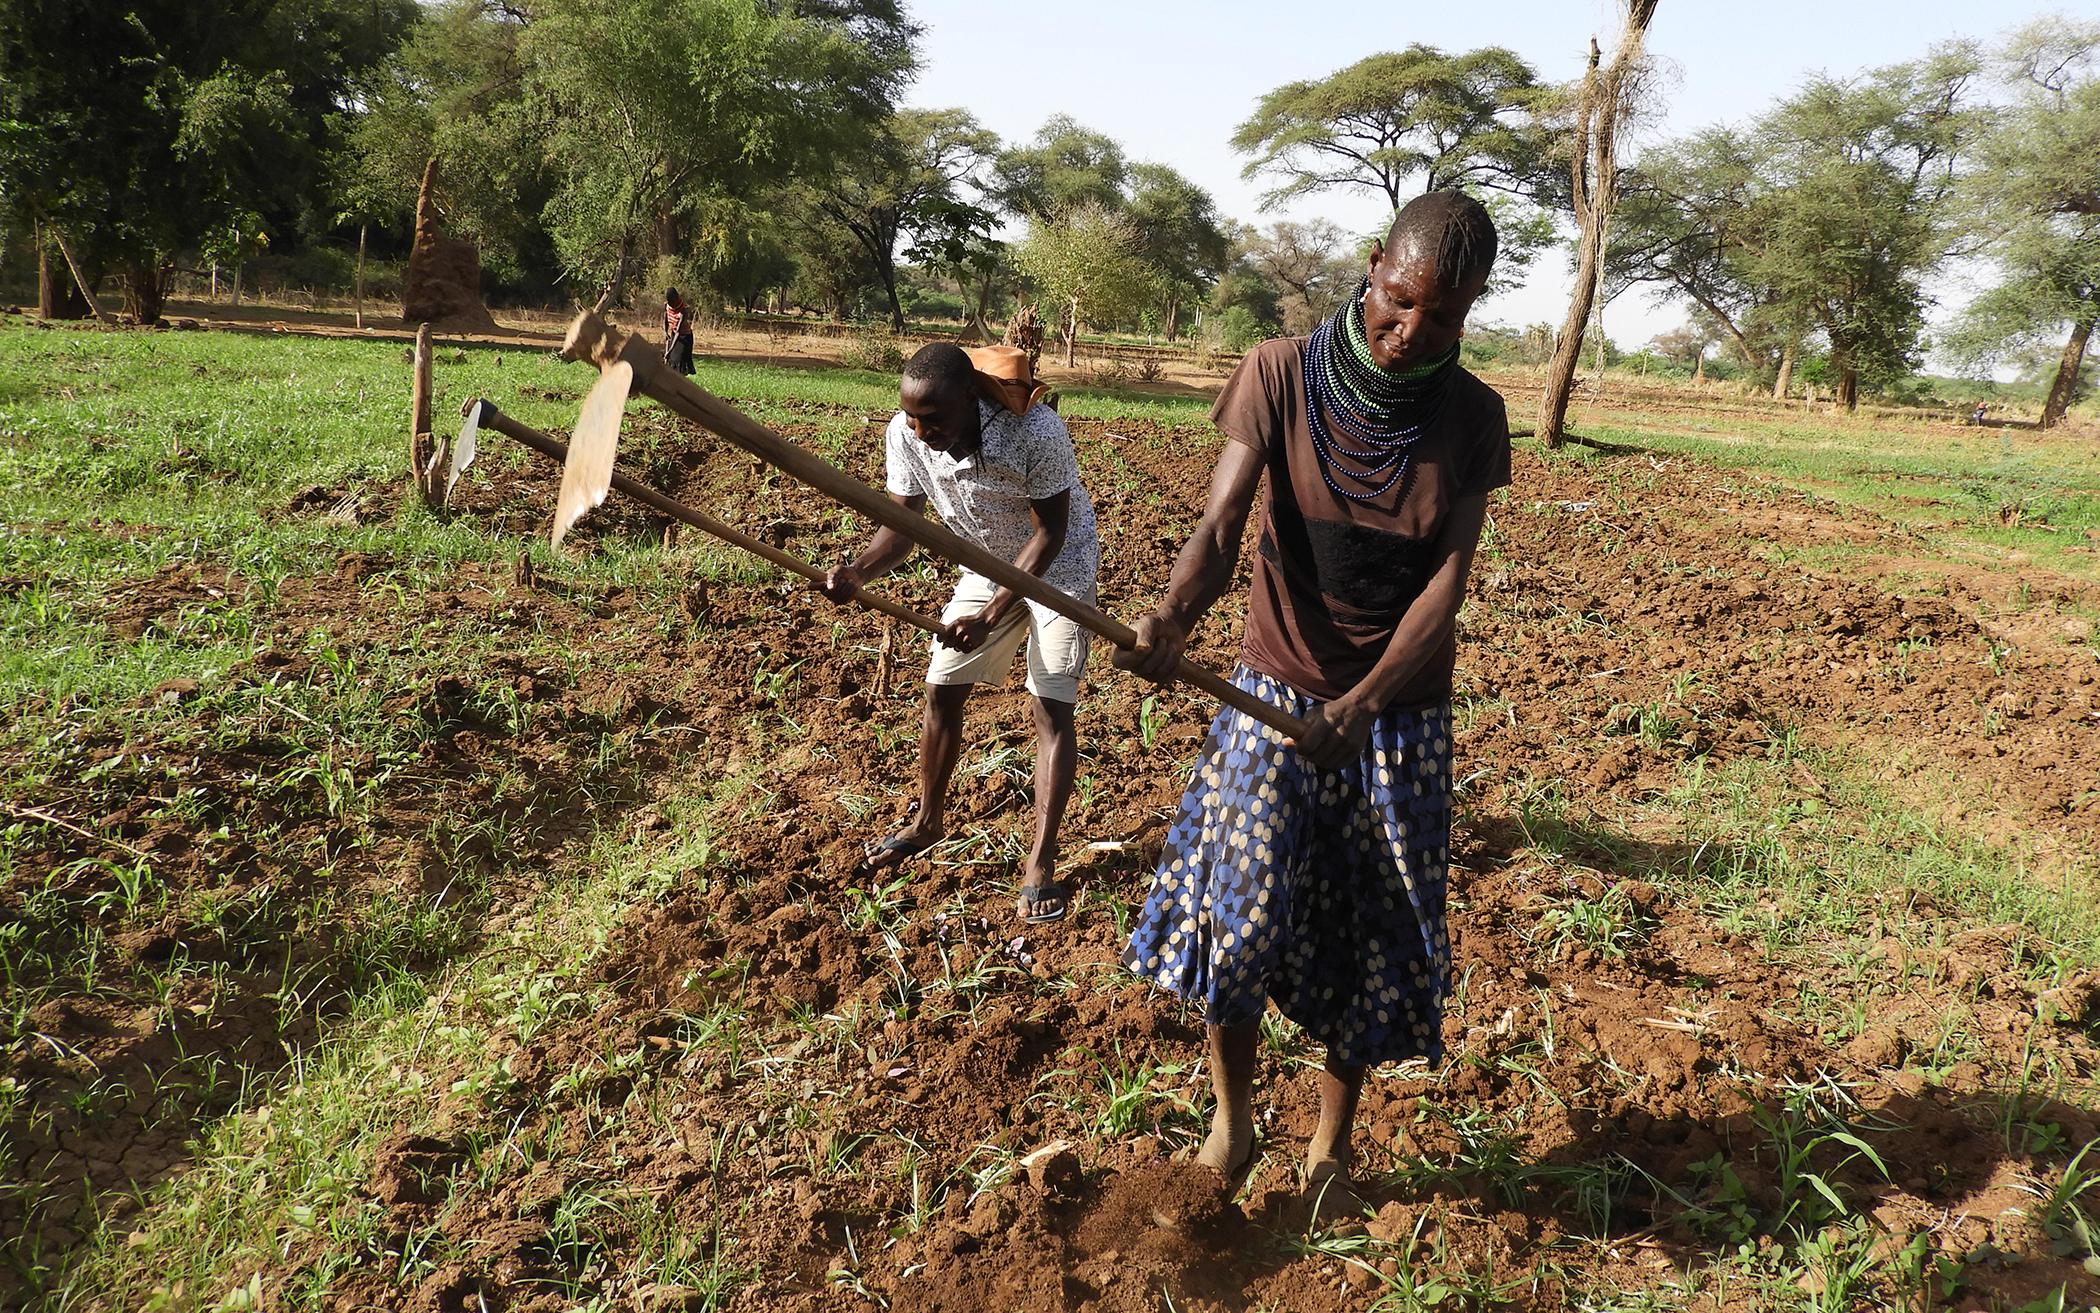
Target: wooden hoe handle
(554,449)
(591,338)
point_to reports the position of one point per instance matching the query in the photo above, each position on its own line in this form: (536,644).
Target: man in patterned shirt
(999,468)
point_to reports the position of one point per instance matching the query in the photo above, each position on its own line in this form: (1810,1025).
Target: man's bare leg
(1231,1141)
(1056,762)
(940,743)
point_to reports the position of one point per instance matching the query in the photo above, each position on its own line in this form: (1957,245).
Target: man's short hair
(1453,229)
(941,366)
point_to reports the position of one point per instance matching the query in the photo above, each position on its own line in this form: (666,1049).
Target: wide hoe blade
(586,477)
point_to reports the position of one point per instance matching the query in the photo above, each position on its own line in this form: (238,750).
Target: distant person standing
(678,332)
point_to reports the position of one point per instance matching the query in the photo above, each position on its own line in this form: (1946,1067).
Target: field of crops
(395,914)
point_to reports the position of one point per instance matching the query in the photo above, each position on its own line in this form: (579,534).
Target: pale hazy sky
(1171,79)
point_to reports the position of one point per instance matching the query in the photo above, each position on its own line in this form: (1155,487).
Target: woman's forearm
(1203,570)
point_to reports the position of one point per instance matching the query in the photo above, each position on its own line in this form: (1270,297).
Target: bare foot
(1328,1191)
(1229,1149)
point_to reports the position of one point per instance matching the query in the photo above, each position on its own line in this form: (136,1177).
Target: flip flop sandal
(905,849)
(1041,890)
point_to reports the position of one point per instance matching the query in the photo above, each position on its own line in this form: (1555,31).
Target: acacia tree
(1418,119)
(911,181)
(1067,166)
(1087,262)
(140,128)
(1310,265)
(1853,216)
(1822,219)
(2036,196)
(1179,235)
(1599,112)
(1679,229)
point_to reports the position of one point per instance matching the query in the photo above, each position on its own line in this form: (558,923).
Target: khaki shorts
(1056,646)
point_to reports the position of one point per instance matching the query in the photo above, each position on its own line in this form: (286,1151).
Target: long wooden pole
(592,339)
(80,280)
(554,449)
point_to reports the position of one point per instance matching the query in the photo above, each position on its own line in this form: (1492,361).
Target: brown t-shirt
(1334,576)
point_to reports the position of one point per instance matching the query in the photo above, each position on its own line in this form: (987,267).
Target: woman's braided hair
(1453,229)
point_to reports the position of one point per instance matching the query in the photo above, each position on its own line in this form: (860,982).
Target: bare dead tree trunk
(1597,298)
(1786,373)
(1071,330)
(361,275)
(2065,385)
(1593,172)
(1567,349)
(984,298)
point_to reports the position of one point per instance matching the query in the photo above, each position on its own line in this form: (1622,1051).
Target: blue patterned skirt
(1324,892)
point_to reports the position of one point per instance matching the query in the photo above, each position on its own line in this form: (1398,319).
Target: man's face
(1410,317)
(945,419)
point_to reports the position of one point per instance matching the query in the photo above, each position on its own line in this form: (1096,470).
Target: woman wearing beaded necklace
(1312,873)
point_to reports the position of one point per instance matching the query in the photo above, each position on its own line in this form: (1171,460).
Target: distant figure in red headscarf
(678,332)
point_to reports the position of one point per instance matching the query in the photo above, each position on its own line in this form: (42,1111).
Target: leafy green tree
(977,262)
(2035,198)
(1395,123)
(1067,166)
(1680,229)
(1854,218)
(652,108)
(456,91)
(915,180)
(1824,218)
(832,269)
(1178,234)
(144,126)
(1088,262)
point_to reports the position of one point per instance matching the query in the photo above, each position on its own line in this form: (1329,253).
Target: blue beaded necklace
(1385,411)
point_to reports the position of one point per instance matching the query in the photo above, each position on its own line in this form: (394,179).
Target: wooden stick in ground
(591,338)
(421,453)
(554,449)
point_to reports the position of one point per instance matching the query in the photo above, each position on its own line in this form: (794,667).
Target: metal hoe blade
(586,477)
(463,448)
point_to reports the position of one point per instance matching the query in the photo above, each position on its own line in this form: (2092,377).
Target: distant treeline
(754,153)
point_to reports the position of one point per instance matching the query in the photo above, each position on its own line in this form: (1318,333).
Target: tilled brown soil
(1604,1119)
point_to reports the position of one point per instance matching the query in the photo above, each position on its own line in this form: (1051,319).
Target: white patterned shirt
(984,497)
